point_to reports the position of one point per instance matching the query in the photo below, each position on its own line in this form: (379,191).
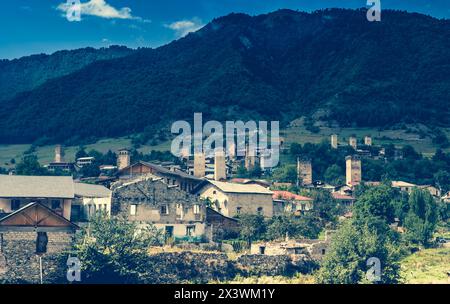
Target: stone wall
(19,262)
(179,267)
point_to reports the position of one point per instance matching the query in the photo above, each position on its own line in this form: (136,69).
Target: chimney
(220,172)
(353,170)
(334,141)
(123,159)
(199,164)
(59,154)
(304,171)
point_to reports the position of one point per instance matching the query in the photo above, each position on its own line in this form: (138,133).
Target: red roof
(278,194)
(338,196)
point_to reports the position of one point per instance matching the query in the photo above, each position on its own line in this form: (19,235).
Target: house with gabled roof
(31,241)
(232,199)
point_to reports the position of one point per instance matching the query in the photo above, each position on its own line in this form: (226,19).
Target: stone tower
(123,159)
(353,142)
(368,141)
(304,171)
(250,159)
(334,141)
(59,154)
(353,171)
(220,170)
(199,164)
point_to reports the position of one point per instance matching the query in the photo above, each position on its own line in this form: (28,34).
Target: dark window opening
(15,205)
(262,249)
(323,251)
(56,204)
(41,242)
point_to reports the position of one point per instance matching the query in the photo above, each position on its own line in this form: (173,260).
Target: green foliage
(325,207)
(113,250)
(351,247)
(252,227)
(422,217)
(286,173)
(306,226)
(227,80)
(29,165)
(376,202)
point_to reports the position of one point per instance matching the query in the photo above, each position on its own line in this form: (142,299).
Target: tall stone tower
(353,142)
(123,159)
(199,164)
(220,171)
(304,171)
(368,141)
(250,159)
(59,154)
(353,172)
(334,141)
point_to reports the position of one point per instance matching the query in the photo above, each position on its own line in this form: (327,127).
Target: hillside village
(196,202)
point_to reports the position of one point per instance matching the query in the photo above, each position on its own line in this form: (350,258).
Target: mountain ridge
(276,66)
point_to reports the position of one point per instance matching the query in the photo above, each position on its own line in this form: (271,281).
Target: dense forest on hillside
(29,72)
(331,64)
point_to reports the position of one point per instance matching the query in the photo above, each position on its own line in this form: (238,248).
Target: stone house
(403,186)
(89,198)
(288,202)
(232,199)
(173,176)
(31,240)
(150,200)
(54,192)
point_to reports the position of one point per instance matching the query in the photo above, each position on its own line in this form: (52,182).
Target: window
(41,242)
(1,242)
(238,210)
(323,251)
(164,210)
(179,212)
(260,211)
(196,209)
(190,230)
(15,205)
(133,209)
(262,249)
(56,204)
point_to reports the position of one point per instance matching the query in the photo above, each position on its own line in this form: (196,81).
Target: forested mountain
(28,72)
(276,66)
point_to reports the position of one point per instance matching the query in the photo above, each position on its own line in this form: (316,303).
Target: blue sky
(40,26)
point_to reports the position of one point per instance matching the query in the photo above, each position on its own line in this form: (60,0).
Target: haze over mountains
(277,66)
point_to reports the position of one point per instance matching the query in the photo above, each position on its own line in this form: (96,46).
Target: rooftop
(36,186)
(240,188)
(89,190)
(277,194)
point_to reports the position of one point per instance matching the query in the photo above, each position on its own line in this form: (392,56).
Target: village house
(231,199)
(31,240)
(288,202)
(150,200)
(54,192)
(403,186)
(174,177)
(343,199)
(89,199)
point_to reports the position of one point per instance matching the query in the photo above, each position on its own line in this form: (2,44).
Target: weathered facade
(150,200)
(232,199)
(32,241)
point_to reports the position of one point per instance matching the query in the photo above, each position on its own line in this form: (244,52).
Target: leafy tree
(376,202)
(29,165)
(334,175)
(287,173)
(255,172)
(242,172)
(442,179)
(81,153)
(114,250)
(91,170)
(351,247)
(252,227)
(325,207)
(422,217)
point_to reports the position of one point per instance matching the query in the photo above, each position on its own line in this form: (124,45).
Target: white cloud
(184,27)
(98,8)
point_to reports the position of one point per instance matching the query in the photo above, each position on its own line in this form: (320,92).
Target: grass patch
(428,266)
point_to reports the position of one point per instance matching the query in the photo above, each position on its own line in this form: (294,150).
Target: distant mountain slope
(28,72)
(275,66)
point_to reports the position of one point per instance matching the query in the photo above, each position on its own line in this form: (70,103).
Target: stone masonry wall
(20,263)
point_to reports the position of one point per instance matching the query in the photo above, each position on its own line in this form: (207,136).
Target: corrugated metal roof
(36,186)
(89,190)
(240,188)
